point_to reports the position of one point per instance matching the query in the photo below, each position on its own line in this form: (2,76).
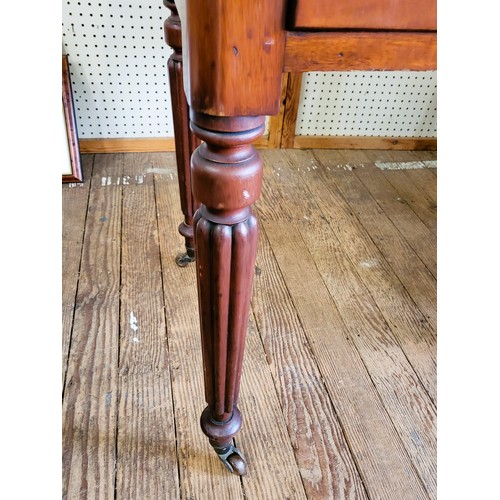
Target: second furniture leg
(227,178)
(185,141)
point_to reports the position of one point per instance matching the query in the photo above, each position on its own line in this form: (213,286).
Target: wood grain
(423,204)
(360,14)
(74,207)
(397,205)
(322,453)
(146,438)
(334,142)
(140,145)
(199,468)
(381,458)
(338,386)
(341,51)
(276,121)
(292,100)
(385,203)
(234,56)
(424,179)
(123,145)
(411,327)
(273,471)
(409,406)
(146,464)
(91,392)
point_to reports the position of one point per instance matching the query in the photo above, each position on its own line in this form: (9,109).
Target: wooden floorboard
(75,200)
(397,252)
(90,404)
(416,335)
(146,428)
(399,388)
(339,378)
(322,453)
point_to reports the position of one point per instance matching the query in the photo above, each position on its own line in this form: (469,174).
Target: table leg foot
(183,259)
(220,434)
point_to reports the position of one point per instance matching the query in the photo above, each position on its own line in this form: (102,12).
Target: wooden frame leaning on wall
(72,169)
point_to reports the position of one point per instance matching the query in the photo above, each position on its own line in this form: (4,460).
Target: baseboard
(139,145)
(159,144)
(331,142)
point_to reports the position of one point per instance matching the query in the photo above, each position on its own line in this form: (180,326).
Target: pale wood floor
(339,385)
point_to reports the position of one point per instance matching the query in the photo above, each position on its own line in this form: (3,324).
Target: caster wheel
(239,466)
(233,459)
(183,259)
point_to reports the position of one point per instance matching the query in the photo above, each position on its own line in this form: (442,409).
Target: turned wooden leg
(227,178)
(185,141)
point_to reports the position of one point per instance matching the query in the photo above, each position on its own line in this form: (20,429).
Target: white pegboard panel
(368,103)
(118,66)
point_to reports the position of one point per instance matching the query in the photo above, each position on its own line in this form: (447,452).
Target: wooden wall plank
(127,145)
(272,140)
(323,456)
(146,429)
(74,203)
(91,391)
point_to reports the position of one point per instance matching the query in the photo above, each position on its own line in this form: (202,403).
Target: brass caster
(233,459)
(183,259)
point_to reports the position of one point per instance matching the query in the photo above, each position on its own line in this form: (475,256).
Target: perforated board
(118,65)
(368,103)
(118,69)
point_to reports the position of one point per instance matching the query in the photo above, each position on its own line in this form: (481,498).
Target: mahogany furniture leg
(227,178)
(185,141)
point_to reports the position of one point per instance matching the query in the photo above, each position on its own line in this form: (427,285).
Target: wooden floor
(339,386)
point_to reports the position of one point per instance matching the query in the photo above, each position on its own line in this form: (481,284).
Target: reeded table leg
(185,140)
(227,177)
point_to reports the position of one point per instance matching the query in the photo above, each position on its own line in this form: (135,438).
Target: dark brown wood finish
(227,177)
(234,56)
(186,141)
